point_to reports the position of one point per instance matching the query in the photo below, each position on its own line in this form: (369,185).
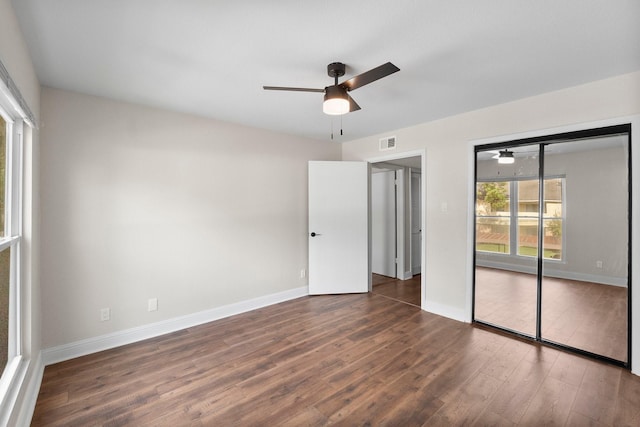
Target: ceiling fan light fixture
(336,101)
(506,157)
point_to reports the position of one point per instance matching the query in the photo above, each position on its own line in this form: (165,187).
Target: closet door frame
(543,138)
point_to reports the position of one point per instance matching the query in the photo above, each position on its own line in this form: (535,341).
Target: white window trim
(14,372)
(513,218)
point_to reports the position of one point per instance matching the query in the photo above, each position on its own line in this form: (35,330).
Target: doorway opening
(396,228)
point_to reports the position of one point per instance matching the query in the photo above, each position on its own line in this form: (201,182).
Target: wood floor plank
(597,394)
(506,360)
(551,404)
(404,403)
(338,406)
(491,419)
(579,420)
(569,369)
(309,416)
(627,410)
(345,360)
(468,401)
(516,393)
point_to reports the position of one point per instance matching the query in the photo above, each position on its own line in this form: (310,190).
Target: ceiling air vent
(388,143)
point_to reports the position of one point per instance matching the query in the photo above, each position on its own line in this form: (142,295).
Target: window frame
(11,240)
(514,199)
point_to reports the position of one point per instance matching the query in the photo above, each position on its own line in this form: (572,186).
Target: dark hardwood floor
(407,291)
(584,315)
(349,360)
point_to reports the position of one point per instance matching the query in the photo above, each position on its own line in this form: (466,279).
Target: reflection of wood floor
(359,359)
(584,315)
(407,291)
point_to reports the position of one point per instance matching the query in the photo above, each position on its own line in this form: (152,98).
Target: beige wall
(143,203)
(15,57)
(448,171)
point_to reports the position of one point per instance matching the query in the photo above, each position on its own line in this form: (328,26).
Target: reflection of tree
(555,226)
(495,194)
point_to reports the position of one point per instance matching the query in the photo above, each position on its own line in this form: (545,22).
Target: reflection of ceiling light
(506,157)
(336,101)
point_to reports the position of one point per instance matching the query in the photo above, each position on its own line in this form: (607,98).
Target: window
(493,217)
(511,228)
(10,236)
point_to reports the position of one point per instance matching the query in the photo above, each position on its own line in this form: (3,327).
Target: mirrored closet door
(552,226)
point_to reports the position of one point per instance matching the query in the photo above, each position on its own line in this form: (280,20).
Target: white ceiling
(212,57)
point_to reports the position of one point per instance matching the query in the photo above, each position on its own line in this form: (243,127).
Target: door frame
(634,183)
(410,181)
(387,228)
(423,197)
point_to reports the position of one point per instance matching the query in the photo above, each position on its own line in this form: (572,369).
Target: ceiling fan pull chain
(331,128)
(340,125)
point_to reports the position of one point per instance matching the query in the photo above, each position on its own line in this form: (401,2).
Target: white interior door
(338,227)
(383,223)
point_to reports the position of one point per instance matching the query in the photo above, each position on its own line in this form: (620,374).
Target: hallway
(406,291)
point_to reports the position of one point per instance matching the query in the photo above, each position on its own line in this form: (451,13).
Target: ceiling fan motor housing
(336,69)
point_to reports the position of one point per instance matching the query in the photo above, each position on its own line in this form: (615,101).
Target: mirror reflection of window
(493,217)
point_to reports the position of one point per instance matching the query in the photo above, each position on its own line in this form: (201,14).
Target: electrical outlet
(303,273)
(598,264)
(152,304)
(105,314)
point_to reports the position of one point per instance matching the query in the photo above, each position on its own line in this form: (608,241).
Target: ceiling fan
(336,97)
(506,156)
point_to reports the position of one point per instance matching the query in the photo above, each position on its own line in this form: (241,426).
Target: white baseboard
(25,413)
(95,344)
(558,274)
(592,278)
(406,275)
(443,310)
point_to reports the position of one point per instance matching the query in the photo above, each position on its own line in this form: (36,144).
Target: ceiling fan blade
(353,105)
(293,89)
(370,76)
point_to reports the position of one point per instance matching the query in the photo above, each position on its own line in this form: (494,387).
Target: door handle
(314,234)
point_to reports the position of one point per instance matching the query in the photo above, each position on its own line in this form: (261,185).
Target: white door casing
(416,222)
